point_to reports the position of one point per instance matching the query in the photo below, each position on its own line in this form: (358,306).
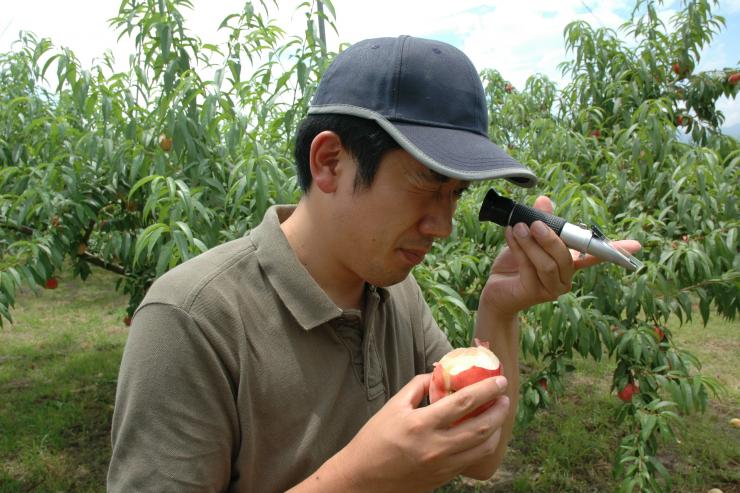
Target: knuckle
(484,430)
(550,268)
(416,426)
(430,456)
(489,448)
(466,401)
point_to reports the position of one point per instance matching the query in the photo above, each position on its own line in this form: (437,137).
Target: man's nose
(437,222)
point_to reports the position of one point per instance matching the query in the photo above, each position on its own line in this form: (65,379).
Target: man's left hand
(536,267)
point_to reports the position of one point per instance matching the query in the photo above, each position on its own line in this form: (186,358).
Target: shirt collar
(303,297)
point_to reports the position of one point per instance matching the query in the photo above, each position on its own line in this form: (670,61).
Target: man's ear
(326,152)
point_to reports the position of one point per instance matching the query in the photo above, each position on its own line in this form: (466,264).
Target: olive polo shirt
(240,374)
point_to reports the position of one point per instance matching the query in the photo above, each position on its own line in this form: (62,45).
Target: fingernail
(501,382)
(539,229)
(521,230)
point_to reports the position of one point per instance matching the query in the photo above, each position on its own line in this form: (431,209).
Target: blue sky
(517,38)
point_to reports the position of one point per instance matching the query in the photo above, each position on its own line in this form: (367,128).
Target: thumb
(413,392)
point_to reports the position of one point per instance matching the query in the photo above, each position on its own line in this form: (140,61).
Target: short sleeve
(175,423)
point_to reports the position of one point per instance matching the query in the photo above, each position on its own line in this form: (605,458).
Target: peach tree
(139,170)
(633,145)
(136,171)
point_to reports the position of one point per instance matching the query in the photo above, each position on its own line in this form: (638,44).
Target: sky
(517,38)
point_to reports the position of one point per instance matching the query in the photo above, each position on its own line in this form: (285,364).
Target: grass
(570,447)
(58,368)
(59,363)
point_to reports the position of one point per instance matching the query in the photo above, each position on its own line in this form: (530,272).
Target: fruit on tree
(51,283)
(462,367)
(682,70)
(596,133)
(165,143)
(509,88)
(733,79)
(659,334)
(542,383)
(55,221)
(628,391)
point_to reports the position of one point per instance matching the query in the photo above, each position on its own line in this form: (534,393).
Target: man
(299,356)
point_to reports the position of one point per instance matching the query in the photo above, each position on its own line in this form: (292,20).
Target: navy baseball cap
(428,96)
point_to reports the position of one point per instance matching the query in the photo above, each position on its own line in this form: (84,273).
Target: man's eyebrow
(438,176)
(431,175)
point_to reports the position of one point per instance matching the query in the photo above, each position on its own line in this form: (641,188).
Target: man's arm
(175,422)
(502,332)
(405,449)
(536,267)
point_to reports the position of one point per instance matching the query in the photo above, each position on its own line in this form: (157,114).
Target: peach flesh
(460,368)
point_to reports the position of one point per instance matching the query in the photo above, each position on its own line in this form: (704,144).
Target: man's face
(386,229)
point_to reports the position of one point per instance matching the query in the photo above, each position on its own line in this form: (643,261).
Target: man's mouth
(413,256)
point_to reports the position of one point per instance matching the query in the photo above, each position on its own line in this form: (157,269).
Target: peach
(462,367)
(628,391)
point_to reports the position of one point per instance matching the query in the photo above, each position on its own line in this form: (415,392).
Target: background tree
(138,171)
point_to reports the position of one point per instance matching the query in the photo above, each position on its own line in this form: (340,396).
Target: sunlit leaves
(84,163)
(608,150)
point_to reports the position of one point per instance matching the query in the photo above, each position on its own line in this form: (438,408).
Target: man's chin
(389,279)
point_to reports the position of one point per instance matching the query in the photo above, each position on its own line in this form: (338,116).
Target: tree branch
(21,229)
(101,262)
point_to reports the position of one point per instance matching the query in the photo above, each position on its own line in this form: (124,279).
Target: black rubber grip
(506,212)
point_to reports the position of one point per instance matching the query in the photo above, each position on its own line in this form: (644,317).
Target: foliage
(58,368)
(138,171)
(608,148)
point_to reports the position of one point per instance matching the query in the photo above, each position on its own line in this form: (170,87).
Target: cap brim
(460,154)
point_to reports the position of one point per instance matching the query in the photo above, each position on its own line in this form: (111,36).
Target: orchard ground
(59,363)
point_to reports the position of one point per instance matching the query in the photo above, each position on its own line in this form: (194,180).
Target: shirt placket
(375,381)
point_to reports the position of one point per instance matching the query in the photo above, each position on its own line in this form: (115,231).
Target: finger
(546,266)
(630,246)
(413,392)
(527,271)
(477,430)
(544,204)
(479,453)
(554,246)
(561,255)
(452,408)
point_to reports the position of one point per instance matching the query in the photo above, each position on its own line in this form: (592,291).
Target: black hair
(364,139)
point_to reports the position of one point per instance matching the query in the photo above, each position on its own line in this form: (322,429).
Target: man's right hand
(405,448)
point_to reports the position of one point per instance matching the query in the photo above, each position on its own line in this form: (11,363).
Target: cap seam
(397,76)
(426,123)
